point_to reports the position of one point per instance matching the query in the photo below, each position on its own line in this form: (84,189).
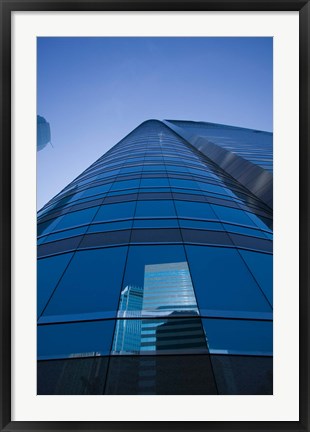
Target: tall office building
(155,267)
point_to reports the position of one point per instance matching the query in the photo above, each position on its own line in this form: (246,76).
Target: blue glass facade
(155,274)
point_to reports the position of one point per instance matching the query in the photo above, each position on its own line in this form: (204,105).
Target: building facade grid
(155,276)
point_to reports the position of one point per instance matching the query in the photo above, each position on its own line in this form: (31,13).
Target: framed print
(153,188)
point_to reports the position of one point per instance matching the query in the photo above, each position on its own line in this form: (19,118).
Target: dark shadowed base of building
(157,375)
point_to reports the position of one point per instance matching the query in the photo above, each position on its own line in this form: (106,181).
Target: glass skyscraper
(155,267)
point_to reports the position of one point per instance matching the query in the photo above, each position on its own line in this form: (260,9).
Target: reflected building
(155,267)
(127,336)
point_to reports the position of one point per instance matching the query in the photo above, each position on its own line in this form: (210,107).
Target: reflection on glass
(168,288)
(167,307)
(128,332)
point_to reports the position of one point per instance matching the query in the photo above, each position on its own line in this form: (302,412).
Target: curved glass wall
(154,276)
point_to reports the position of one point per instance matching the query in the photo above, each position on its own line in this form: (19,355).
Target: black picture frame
(7,7)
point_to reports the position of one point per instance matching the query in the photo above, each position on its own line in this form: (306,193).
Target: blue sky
(94,91)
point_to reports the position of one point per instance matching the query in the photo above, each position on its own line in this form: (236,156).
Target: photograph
(154,215)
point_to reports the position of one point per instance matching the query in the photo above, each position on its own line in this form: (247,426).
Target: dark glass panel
(202,173)
(154,194)
(241,375)
(48,226)
(107,174)
(110,226)
(243,230)
(209,187)
(86,203)
(155,223)
(129,184)
(49,271)
(228,214)
(232,289)
(185,196)
(123,192)
(115,211)
(59,246)
(154,182)
(206,237)
(188,223)
(155,235)
(187,184)
(227,203)
(83,339)
(80,376)
(244,241)
(160,375)
(77,218)
(120,198)
(129,170)
(41,240)
(154,167)
(226,336)
(178,168)
(261,222)
(155,208)
(67,233)
(91,283)
(105,238)
(262,269)
(195,210)
(96,190)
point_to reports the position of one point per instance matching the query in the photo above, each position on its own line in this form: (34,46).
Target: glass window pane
(195,210)
(155,223)
(107,174)
(85,339)
(228,214)
(66,234)
(238,336)
(258,221)
(209,187)
(156,182)
(49,271)
(91,283)
(153,167)
(96,190)
(48,226)
(187,223)
(129,184)
(262,269)
(75,376)
(233,289)
(187,184)
(115,211)
(77,218)
(155,208)
(243,375)
(244,230)
(110,226)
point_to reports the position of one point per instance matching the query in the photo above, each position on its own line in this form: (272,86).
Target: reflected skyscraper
(155,267)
